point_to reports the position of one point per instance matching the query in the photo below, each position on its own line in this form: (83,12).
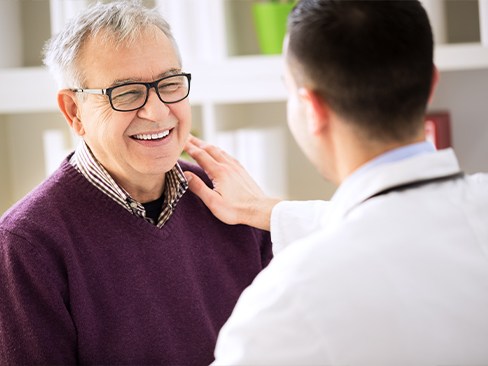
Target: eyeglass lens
(133,96)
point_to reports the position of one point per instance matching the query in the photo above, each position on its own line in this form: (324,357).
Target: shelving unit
(234,89)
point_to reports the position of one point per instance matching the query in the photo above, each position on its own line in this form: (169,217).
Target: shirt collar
(87,164)
(404,165)
(394,155)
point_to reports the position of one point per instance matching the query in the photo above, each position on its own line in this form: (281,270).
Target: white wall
(22,151)
(5,194)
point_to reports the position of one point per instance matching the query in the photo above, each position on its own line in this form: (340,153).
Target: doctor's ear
(68,104)
(435,81)
(316,110)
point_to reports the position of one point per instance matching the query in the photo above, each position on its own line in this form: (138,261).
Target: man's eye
(169,87)
(127,94)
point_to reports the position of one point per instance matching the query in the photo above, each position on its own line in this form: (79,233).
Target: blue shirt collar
(397,154)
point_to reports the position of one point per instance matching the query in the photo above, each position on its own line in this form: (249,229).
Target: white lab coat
(398,279)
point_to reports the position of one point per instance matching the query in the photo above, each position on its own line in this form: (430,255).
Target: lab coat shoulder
(292,220)
(338,295)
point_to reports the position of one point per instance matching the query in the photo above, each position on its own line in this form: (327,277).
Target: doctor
(394,269)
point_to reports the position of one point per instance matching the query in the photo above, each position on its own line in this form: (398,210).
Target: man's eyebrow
(162,75)
(169,72)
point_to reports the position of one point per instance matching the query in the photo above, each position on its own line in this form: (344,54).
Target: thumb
(209,197)
(198,187)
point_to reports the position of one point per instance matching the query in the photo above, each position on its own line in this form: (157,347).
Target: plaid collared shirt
(175,185)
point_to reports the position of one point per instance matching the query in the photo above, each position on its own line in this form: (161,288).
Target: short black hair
(371,60)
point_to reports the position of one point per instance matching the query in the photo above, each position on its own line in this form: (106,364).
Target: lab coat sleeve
(293,220)
(270,324)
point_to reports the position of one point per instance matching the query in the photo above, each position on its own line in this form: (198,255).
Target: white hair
(119,22)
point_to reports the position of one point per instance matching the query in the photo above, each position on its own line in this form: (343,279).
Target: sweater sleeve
(35,324)
(263,238)
(266,246)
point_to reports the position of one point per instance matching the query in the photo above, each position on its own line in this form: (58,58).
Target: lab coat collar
(357,189)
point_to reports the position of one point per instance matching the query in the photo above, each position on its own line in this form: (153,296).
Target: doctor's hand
(235,198)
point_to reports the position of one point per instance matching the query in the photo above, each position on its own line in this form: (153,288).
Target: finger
(230,158)
(211,158)
(198,187)
(202,157)
(193,142)
(196,141)
(214,151)
(189,145)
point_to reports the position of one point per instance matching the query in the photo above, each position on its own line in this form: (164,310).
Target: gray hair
(120,22)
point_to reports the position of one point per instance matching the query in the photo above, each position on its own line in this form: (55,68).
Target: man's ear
(435,80)
(316,109)
(68,104)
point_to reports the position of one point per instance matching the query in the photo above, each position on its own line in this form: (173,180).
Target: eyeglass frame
(153,84)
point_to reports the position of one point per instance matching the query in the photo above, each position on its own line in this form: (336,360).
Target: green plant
(270,21)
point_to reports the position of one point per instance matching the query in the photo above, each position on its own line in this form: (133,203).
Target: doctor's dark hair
(372,61)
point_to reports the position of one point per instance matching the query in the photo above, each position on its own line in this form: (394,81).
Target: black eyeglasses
(131,96)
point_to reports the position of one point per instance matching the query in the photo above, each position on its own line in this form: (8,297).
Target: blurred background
(238,97)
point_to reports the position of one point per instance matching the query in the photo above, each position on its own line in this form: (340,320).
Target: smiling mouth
(152,136)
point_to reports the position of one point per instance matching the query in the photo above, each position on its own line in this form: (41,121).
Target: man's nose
(154,108)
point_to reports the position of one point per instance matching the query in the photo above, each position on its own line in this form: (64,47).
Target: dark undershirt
(154,208)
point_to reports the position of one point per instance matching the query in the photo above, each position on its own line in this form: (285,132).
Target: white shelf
(458,57)
(241,79)
(28,89)
(246,79)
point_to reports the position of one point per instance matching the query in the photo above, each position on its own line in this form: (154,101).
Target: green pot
(270,21)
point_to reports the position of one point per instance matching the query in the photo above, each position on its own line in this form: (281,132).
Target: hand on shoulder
(235,198)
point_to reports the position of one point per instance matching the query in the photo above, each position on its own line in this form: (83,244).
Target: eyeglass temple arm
(91,91)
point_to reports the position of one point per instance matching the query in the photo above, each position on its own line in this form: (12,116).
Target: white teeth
(154,136)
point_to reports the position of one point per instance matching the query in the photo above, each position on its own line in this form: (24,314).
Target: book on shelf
(438,129)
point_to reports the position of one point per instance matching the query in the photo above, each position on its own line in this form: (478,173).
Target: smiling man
(112,260)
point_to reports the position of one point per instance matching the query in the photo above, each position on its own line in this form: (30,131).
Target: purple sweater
(83,281)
